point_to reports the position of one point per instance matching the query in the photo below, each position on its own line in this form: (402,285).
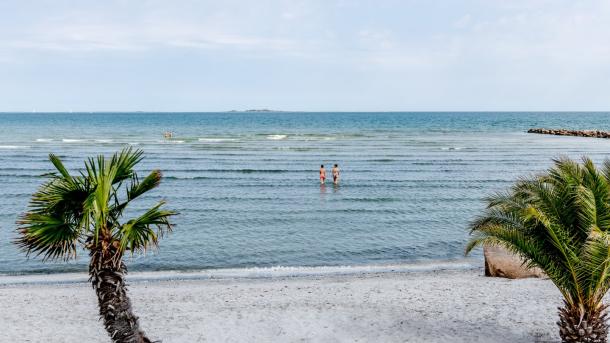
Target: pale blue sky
(304,55)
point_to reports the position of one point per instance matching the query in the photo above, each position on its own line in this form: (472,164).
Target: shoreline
(250,272)
(422,306)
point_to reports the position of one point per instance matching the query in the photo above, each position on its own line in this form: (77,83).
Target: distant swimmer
(335,172)
(168,134)
(322,174)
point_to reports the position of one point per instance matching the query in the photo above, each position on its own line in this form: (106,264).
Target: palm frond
(135,189)
(86,208)
(594,268)
(60,167)
(506,231)
(139,234)
(558,221)
(48,235)
(56,218)
(107,176)
(122,163)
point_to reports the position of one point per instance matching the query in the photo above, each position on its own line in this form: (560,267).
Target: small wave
(187,178)
(44,140)
(383,160)
(318,138)
(69,140)
(21,176)
(217,140)
(277,137)
(244,170)
(250,171)
(103,140)
(256,272)
(14,147)
(440,163)
(372,199)
(294,148)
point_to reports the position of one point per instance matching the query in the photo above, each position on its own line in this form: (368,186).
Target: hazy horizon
(296,111)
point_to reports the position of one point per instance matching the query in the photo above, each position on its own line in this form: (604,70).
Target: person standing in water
(322,174)
(335,172)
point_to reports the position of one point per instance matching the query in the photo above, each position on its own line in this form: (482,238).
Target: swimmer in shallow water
(322,174)
(335,172)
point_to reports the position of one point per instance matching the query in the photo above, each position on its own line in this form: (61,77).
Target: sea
(247,191)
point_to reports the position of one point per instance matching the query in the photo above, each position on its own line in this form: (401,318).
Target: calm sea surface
(246,184)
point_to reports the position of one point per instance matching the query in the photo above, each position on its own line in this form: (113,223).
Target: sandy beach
(416,306)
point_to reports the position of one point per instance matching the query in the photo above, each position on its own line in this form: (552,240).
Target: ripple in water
(248,201)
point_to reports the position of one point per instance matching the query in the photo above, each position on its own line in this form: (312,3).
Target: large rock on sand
(501,263)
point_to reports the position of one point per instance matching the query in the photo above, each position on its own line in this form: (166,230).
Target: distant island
(257,110)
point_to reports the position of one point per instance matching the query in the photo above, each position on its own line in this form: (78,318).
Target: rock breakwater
(577,133)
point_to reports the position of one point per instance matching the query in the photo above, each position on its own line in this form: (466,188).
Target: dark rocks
(577,133)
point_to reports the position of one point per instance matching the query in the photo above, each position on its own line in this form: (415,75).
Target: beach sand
(429,306)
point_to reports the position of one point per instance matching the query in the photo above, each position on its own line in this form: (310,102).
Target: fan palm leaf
(86,209)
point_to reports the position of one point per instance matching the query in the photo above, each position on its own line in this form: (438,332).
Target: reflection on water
(335,188)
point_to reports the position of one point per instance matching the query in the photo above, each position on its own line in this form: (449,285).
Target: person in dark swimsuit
(335,172)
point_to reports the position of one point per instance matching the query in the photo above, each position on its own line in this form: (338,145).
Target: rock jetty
(578,133)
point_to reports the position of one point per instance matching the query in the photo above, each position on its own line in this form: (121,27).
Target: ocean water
(246,184)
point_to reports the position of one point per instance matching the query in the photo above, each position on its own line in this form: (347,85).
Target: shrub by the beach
(560,222)
(87,210)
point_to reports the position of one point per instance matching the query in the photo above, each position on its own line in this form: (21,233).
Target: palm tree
(86,210)
(560,222)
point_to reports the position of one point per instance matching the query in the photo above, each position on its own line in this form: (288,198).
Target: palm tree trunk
(107,275)
(580,326)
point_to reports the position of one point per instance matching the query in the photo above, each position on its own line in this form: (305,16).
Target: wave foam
(277,137)
(217,140)
(44,140)
(252,273)
(318,138)
(70,140)
(14,147)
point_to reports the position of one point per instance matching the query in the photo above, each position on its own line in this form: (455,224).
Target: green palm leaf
(143,232)
(87,208)
(559,221)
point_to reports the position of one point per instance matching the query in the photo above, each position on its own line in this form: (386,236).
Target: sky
(383,55)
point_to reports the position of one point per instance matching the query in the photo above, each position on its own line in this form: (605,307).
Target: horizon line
(303,111)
